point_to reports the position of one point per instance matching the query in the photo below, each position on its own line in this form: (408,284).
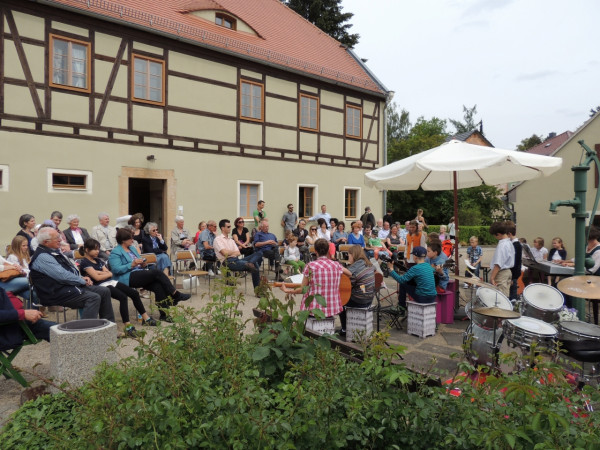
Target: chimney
(551,135)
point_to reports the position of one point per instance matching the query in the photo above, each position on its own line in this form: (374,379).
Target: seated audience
(558,251)
(130,269)
(201,228)
(301,233)
(180,237)
(333,224)
(363,282)
(443,236)
(241,236)
(95,268)
(105,234)
(373,244)
(356,237)
(27,224)
(58,282)
(75,235)
(384,232)
(12,310)
(312,236)
(228,254)
(324,233)
(153,242)
(18,253)
(15,278)
(267,243)
(379,226)
(404,231)
(322,277)
(540,253)
(393,241)
(205,247)
(291,255)
(418,281)
(136,221)
(340,236)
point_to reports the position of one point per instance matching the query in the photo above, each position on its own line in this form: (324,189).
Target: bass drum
(526,331)
(542,302)
(479,345)
(487,298)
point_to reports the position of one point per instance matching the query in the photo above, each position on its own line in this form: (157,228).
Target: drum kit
(534,329)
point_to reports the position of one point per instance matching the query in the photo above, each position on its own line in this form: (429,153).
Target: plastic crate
(445,307)
(358,319)
(321,326)
(421,319)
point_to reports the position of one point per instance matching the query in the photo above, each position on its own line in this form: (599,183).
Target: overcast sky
(530,66)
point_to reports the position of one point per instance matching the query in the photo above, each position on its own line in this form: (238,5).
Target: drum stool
(421,319)
(358,320)
(584,351)
(321,326)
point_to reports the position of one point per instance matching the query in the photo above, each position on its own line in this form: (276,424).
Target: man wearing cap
(368,217)
(418,282)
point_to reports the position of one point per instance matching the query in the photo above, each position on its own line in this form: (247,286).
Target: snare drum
(543,302)
(525,331)
(479,345)
(487,298)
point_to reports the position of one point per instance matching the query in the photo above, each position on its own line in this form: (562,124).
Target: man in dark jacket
(368,218)
(58,282)
(11,310)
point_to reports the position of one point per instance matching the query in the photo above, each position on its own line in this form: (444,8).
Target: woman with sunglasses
(241,236)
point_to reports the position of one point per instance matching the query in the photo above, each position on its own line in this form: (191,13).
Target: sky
(530,66)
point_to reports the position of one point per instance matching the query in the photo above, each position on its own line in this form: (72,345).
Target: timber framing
(94,127)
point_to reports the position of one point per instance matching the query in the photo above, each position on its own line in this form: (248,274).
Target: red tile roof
(550,145)
(285,38)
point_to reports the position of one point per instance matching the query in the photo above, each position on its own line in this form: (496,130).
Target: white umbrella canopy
(433,170)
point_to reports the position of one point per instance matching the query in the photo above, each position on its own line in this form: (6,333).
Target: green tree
(423,135)
(328,16)
(529,142)
(468,123)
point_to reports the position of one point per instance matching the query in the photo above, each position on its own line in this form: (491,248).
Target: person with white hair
(153,242)
(180,237)
(57,281)
(105,234)
(75,235)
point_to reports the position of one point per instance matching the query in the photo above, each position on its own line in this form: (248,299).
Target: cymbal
(582,286)
(471,280)
(499,313)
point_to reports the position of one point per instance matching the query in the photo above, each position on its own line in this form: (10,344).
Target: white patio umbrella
(457,165)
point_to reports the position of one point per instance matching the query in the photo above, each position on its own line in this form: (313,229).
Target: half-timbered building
(199,107)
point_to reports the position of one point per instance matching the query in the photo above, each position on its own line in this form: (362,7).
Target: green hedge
(203,383)
(466,231)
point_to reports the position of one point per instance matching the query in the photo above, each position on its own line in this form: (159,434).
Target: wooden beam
(111,82)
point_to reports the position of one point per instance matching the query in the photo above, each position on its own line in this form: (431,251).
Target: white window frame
(86,173)
(260,196)
(315,199)
(358,201)
(4,185)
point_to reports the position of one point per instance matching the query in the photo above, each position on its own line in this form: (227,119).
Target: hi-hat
(581,286)
(472,280)
(496,312)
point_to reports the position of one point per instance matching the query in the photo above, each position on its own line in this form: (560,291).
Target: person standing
(388,216)
(511,232)
(503,259)
(259,213)
(368,218)
(323,215)
(289,219)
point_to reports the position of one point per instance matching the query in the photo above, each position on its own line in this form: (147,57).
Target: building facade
(196,108)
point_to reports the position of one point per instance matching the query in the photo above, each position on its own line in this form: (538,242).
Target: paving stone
(454,339)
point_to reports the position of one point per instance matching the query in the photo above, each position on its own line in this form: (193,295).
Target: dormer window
(223,20)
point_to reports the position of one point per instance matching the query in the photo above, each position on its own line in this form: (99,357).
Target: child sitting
(540,253)
(418,282)
(474,252)
(291,255)
(437,259)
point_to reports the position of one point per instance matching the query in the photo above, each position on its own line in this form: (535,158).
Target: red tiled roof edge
(180,30)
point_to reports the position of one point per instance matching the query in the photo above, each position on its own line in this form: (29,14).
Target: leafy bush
(202,383)
(466,231)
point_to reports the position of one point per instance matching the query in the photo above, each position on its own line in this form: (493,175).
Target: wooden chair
(8,355)
(182,258)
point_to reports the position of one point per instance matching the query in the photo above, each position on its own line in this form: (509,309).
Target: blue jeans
(18,286)
(410,289)
(41,329)
(241,265)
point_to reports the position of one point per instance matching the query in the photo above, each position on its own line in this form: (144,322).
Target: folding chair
(183,257)
(393,312)
(7,355)
(57,309)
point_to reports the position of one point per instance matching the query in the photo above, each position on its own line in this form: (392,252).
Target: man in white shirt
(503,259)
(105,234)
(323,215)
(228,254)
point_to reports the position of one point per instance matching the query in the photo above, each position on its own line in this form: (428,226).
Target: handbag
(7,275)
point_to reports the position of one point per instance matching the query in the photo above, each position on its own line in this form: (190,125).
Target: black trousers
(121,292)
(156,281)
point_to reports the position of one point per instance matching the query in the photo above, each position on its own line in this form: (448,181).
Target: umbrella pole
(456,240)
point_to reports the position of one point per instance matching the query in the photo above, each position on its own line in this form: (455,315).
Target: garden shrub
(203,383)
